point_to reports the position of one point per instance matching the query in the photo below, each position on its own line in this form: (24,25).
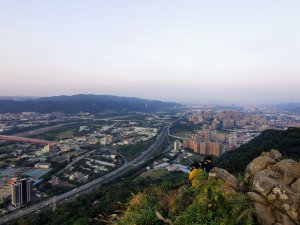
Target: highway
(89,186)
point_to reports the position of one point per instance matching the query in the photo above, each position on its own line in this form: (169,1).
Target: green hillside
(288,142)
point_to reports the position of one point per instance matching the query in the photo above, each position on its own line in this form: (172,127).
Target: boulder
(288,170)
(275,189)
(283,219)
(296,186)
(256,198)
(262,183)
(218,173)
(286,200)
(259,164)
(274,154)
(264,214)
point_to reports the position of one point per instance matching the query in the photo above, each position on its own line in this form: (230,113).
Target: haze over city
(183,51)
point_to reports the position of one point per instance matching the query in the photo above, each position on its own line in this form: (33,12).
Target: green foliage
(55,168)
(209,203)
(287,142)
(182,126)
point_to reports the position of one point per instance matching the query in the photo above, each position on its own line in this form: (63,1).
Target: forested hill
(83,103)
(288,142)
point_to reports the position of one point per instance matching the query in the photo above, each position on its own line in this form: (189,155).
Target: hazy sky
(187,51)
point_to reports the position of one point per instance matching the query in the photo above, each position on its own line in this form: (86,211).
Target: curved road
(92,185)
(173,136)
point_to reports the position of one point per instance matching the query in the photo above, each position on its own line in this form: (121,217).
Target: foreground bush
(208,203)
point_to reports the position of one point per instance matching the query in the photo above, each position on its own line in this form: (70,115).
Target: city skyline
(184,51)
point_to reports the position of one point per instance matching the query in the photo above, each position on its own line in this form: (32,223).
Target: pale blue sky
(186,51)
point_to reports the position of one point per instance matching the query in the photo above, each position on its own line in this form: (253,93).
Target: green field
(182,128)
(68,131)
(67,134)
(184,134)
(62,132)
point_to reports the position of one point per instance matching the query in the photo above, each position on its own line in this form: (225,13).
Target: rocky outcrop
(283,219)
(261,163)
(286,200)
(224,175)
(287,170)
(273,186)
(274,154)
(296,186)
(277,182)
(265,215)
(262,183)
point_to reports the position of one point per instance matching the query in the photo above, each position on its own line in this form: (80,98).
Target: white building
(177,145)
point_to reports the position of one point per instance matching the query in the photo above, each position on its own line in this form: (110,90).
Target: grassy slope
(208,203)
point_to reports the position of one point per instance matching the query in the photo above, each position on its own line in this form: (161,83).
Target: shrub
(206,204)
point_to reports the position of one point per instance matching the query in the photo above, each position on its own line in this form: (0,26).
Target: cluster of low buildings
(118,134)
(92,165)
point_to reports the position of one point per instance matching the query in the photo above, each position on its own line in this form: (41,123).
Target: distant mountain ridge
(83,103)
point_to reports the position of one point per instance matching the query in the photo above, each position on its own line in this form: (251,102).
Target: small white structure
(177,145)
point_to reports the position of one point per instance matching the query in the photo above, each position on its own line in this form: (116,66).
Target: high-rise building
(16,194)
(228,123)
(204,148)
(215,124)
(177,145)
(22,191)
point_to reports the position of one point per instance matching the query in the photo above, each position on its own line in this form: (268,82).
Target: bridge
(27,140)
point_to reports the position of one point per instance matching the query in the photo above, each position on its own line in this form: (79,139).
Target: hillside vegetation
(209,203)
(287,141)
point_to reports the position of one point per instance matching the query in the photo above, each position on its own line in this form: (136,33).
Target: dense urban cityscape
(149,112)
(44,155)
